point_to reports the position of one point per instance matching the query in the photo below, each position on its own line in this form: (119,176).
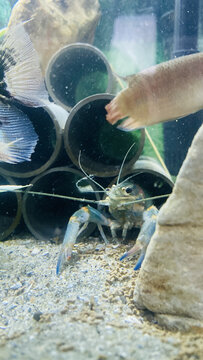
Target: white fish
(20,82)
(164,92)
(17,135)
(4,188)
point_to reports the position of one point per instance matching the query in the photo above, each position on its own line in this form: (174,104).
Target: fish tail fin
(17,135)
(15,151)
(22,74)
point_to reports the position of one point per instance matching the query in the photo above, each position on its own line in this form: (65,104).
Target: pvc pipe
(151,177)
(76,72)
(47,217)
(48,146)
(10,208)
(102,145)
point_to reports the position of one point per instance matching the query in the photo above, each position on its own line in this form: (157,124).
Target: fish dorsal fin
(22,73)
(129,79)
(17,135)
(9,187)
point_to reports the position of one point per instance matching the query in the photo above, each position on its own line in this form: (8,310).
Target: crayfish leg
(114,225)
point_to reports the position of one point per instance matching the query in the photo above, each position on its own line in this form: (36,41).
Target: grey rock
(35,251)
(16,286)
(37,315)
(174,323)
(170,281)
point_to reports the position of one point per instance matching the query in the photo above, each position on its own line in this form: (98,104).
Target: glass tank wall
(89,165)
(135,35)
(132,35)
(85,53)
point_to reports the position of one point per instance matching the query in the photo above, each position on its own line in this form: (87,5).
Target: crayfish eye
(128,190)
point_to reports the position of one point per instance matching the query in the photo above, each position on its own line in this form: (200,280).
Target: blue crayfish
(127,206)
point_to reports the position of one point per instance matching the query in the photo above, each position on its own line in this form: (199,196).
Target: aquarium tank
(100,157)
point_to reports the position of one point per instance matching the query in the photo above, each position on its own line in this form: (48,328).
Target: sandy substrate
(85,313)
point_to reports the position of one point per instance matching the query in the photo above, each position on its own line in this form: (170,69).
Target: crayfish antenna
(123,163)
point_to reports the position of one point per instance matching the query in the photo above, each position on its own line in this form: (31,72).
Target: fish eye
(128,190)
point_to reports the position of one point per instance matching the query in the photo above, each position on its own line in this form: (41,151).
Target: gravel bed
(85,313)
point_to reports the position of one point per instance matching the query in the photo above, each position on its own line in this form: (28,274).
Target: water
(83,49)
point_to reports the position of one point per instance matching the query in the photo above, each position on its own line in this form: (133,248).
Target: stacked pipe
(80,80)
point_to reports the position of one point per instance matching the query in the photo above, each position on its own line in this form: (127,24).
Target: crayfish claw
(65,254)
(77,223)
(60,262)
(139,261)
(144,237)
(131,252)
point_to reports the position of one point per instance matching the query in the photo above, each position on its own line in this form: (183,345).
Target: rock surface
(56,23)
(170,281)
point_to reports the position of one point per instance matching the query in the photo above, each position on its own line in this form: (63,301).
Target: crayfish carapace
(127,205)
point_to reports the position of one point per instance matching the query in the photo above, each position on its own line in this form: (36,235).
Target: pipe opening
(76,72)
(10,209)
(102,145)
(152,179)
(149,175)
(47,217)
